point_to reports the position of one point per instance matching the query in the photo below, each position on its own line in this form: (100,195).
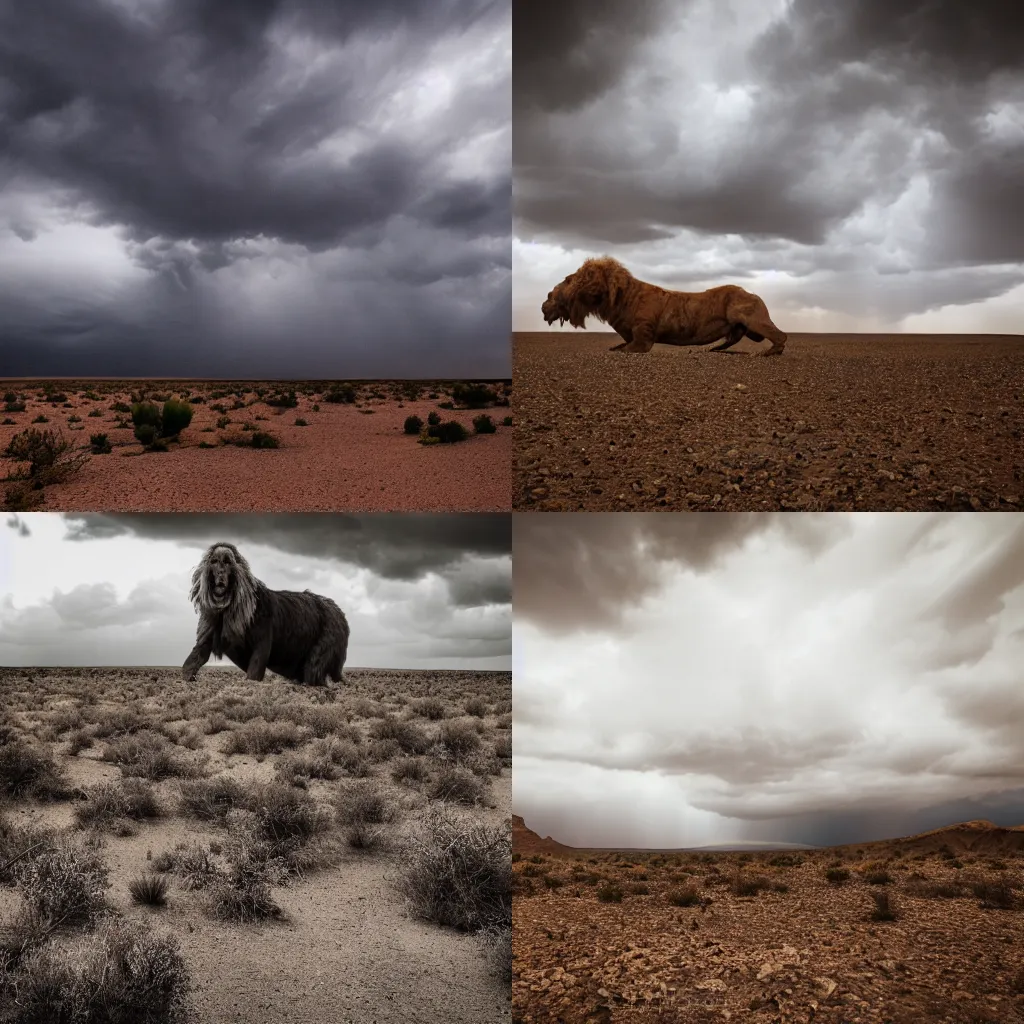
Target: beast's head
(596,288)
(223,580)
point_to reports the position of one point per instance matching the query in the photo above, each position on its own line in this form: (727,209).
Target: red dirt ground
(838,423)
(349,457)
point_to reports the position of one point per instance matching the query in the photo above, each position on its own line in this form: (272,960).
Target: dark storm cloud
(394,546)
(584,571)
(191,127)
(835,113)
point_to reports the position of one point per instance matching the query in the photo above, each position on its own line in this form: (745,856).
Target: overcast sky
(255,187)
(696,678)
(859,164)
(429,591)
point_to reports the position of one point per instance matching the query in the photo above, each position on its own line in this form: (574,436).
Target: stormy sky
(255,187)
(858,164)
(419,591)
(701,678)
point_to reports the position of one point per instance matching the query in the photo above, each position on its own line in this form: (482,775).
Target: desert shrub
(476,706)
(149,890)
(409,769)
(122,975)
(459,738)
(458,873)
(296,768)
(194,865)
(365,811)
(243,895)
(65,883)
(175,418)
(145,414)
(413,425)
(503,747)
(483,424)
(18,844)
(747,885)
(285,818)
(994,893)
(300,422)
(933,890)
(456,784)
(283,400)
(28,771)
(14,406)
(264,439)
(411,739)
(507,421)
(885,906)
(52,458)
(109,803)
(260,737)
(99,444)
(473,396)
(211,799)
(148,755)
(432,708)
(610,892)
(121,407)
(684,897)
(877,877)
(145,434)
(343,394)
(447,432)
(837,875)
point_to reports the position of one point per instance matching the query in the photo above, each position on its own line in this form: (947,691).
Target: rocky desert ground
(837,423)
(919,930)
(274,446)
(254,852)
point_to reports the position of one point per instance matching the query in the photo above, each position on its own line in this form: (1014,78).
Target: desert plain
(254,852)
(273,446)
(926,929)
(837,423)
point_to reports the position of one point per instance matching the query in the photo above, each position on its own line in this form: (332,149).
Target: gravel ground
(839,422)
(347,458)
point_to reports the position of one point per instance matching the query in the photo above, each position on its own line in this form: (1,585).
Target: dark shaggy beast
(301,636)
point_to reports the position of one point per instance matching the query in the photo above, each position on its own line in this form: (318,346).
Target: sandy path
(345,459)
(840,422)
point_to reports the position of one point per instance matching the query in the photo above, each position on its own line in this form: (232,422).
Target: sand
(837,423)
(347,948)
(350,456)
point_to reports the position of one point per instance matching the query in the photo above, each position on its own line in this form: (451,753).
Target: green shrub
(100,444)
(264,439)
(473,396)
(283,400)
(448,432)
(345,394)
(145,434)
(145,413)
(434,418)
(176,417)
(483,424)
(413,425)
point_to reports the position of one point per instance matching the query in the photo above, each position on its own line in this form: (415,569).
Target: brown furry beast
(643,313)
(301,636)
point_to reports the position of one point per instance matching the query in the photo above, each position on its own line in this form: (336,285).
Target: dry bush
(148,755)
(122,975)
(109,803)
(688,896)
(926,889)
(149,890)
(994,893)
(498,947)
(27,771)
(459,873)
(66,884)
(409,737)
(410,769)
(885,907)
(477,707)
(458,737)
(365,811)
(52,457)
(454,783)
(211,799)
(261,737)
(432,708)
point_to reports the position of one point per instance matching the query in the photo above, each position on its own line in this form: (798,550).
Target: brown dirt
(527,843)
(803,949)
(349,457)
(346,949)
(839,422)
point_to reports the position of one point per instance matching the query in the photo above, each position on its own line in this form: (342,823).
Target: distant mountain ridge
(978,836)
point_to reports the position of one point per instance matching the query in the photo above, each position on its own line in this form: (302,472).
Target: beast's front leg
(643,339)
(196,660)
(258,659)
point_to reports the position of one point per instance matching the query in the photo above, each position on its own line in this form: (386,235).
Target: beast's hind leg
(735,334)
(321,662)
(759,330)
